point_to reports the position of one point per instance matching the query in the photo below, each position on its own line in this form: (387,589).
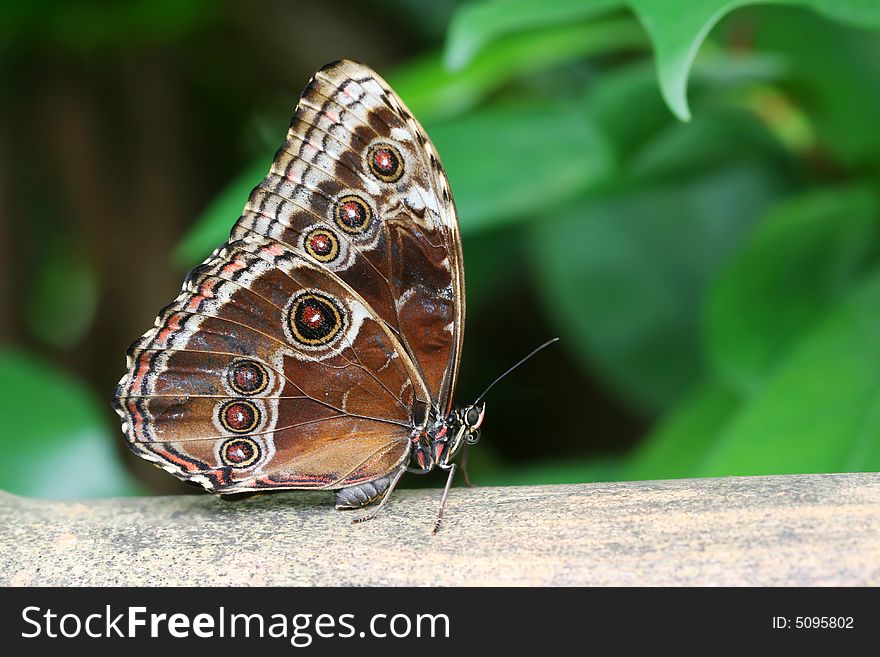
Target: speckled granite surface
(787,530)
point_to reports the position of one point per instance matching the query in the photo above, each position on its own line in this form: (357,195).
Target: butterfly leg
(372,514)
(443,499)
(464,472)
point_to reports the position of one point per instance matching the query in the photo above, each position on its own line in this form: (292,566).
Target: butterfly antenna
(520,362)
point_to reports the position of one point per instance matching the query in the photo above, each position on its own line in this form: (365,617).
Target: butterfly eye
(352,214)
(385,162)
(472,416)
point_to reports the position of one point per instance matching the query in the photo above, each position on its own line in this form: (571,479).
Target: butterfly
(319,347)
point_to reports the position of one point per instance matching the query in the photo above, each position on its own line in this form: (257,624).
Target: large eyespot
(247,377)
(239,452)
(385,162)
(322,245)
(239,416)
(352,214)
(315,319)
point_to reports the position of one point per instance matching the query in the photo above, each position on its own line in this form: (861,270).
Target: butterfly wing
(268,371)
(358,186)
(238,387)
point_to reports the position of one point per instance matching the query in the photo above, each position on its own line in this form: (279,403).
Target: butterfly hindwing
(266,371)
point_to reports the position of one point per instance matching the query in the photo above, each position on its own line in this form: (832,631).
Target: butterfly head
(467,428)
(471,420)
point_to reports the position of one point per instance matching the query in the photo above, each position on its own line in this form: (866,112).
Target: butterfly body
(319,347)
(447,437)
(436,447)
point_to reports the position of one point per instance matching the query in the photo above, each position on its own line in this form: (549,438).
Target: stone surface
(786,530)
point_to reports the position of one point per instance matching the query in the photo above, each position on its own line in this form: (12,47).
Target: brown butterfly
(319,347)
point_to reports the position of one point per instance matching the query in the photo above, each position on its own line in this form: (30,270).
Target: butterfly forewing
(305,351)
(393,237)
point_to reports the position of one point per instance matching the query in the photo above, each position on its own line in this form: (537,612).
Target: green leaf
(214,224)
(492,258)
(678,445)
(622,274)
(711,140)
(563,152)
(63,298)
(505,163)
(611,97)
(802,258)
(477,24)
(610,100)
(820,411)
(63,448)
(678,28)
(832,76)
(864,13)
(432,91)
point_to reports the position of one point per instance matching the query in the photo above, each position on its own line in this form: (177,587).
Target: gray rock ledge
(782,530)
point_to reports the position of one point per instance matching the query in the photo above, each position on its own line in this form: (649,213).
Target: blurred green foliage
(689,193)
(89,26)
(53,448)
